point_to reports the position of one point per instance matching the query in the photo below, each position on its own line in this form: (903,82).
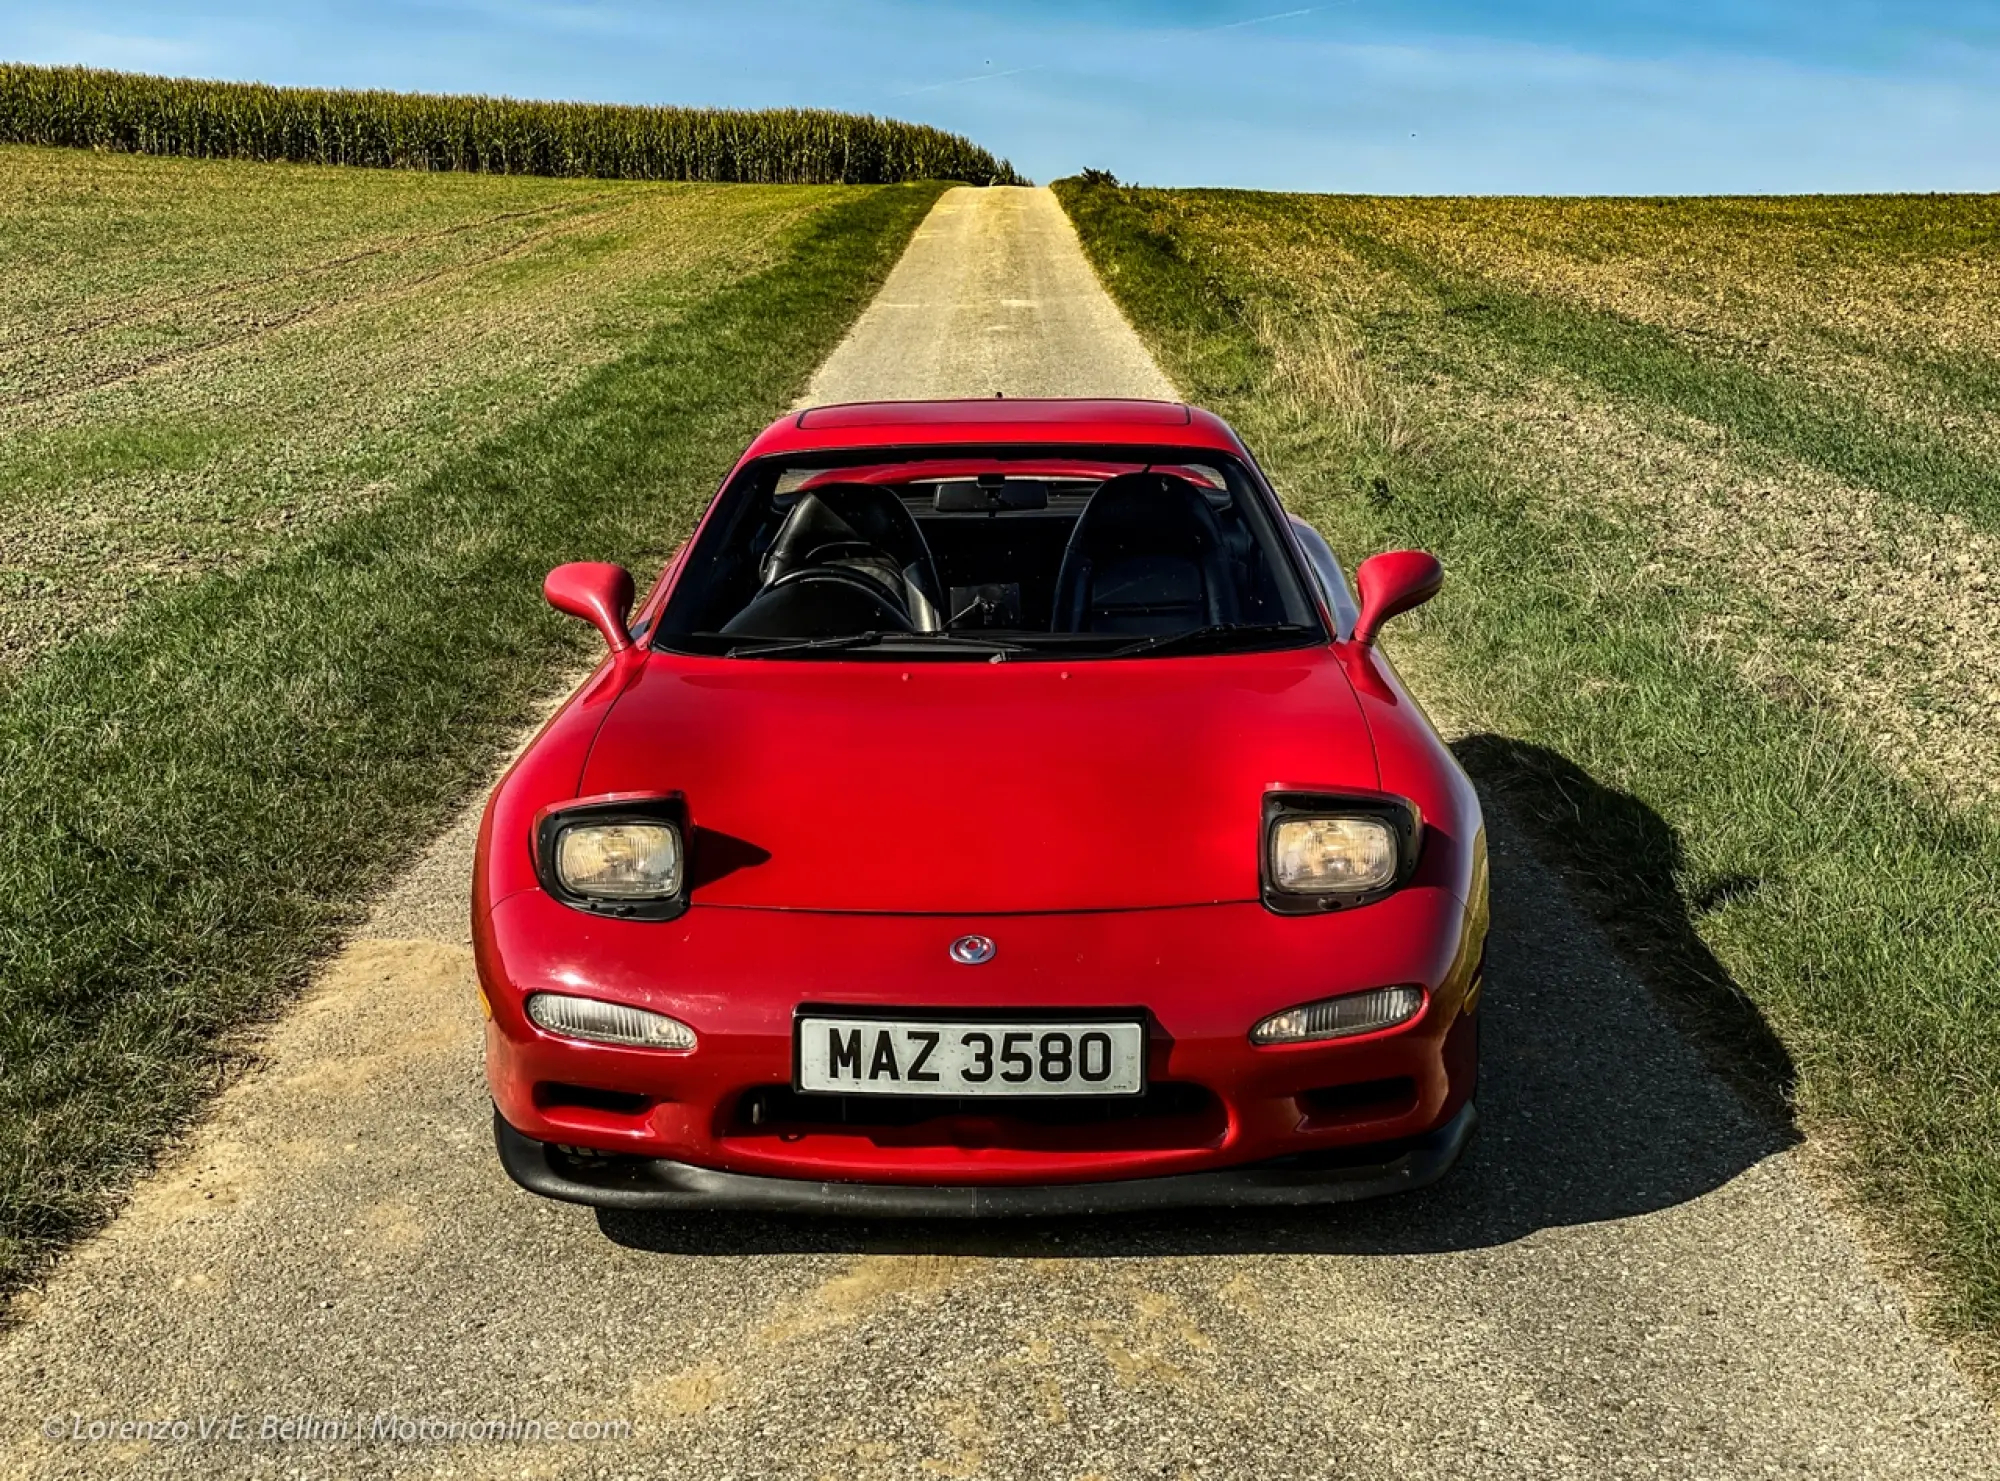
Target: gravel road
(994,297)
(1626,1277)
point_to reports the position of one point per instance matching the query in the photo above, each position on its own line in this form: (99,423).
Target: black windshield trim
(891,643)
(1225,632)
(737,499)
(1011,647)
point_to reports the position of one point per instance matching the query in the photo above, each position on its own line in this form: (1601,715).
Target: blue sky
(1420,96)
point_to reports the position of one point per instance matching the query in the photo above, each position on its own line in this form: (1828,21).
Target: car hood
(967,788)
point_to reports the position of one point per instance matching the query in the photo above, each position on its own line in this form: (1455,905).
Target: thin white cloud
(938,87)
(1256,20)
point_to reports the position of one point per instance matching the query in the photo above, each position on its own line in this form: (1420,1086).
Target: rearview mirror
(1393,582)
(598,592)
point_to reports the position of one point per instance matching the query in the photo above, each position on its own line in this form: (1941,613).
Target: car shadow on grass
(1622,1073)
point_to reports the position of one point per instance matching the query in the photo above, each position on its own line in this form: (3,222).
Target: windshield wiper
(998,647)
(1217,637)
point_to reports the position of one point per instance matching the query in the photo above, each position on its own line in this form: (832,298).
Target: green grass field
(203,363)
(284,453)
(1718,484)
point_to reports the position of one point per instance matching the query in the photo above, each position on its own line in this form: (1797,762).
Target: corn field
(127,112)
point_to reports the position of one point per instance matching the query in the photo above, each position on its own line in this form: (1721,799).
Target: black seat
(814,537)
(824,578)
(877,516)
(1147,556)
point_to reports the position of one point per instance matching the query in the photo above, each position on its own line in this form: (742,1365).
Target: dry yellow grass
(1885,303)
(1319,373)
(1908,274)
(1825,591)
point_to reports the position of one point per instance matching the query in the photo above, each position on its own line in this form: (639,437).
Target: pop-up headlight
(1332,856)
(1327,851)
(616,857)
(620,861)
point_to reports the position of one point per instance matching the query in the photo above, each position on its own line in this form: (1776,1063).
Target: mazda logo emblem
(970,951)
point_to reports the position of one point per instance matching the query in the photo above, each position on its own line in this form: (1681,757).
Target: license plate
(876,1056)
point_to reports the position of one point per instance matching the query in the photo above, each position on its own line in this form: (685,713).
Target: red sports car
(998,807)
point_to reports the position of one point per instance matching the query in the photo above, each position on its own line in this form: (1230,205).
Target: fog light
(1341,1018)
(608,1023)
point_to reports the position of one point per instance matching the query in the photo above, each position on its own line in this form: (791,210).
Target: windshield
(990,554)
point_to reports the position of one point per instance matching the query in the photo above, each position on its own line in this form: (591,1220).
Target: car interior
(1057,549)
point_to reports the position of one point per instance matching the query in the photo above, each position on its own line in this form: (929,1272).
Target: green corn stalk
(129,112)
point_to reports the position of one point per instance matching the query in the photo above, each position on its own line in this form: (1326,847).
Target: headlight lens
(607,1023)
(620,861)
(1333,856)
(1341,1018)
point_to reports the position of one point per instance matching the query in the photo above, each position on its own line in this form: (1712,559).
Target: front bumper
(1200,976)
(659,1184)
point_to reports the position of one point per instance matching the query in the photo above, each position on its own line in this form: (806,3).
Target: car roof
(1098,423)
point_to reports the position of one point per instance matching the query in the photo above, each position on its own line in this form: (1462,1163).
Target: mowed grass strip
(204,362)
(1855,398)
(1855,909)
(1862,565)
(1892,300)
(194,804)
